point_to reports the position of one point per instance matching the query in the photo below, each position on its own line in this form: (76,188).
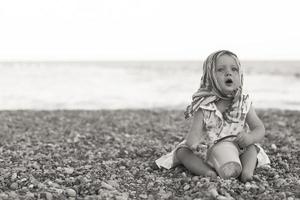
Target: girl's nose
(228,73)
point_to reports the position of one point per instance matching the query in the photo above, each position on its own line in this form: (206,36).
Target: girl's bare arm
(257,130)
(195,133)
(256,126)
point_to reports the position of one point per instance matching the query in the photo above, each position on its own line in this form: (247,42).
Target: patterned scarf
(210,90)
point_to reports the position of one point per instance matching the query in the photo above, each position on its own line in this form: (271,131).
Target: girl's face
(227,74)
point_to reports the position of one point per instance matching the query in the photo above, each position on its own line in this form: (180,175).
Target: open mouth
(228,81)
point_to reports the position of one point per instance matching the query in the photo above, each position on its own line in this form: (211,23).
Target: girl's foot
(245,177)
(211,173)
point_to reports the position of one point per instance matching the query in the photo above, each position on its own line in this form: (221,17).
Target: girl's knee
(252,148)
(182,152)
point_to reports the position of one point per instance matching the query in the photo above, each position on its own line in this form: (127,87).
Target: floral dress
(217,126)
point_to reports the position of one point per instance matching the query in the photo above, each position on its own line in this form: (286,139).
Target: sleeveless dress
(216,126)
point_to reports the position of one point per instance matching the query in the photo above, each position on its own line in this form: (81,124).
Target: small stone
(70,192)
(29,195)
(256,177)
(53,184)
(14,186)
(213,192)
(247,186)
(69,170)
(49,196)
(261,189)
(13,194)
(106,186)
(113,183)
(274,147)
(122,167)
(58,191)
(284,149)
(23,180)
(150,185)
(282,195)
(286,166)
(35,165)
(186,187)
(195,178)
(59,169)
(143,196)
(30,186)
(151,197)
(204,180)
(14,176)
(279,182)
(3,195)
(276,176)
(154,166)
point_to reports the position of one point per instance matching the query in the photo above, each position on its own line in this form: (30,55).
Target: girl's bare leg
(193,163)
(248,160)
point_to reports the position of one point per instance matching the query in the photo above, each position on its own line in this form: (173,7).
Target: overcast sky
(148,29)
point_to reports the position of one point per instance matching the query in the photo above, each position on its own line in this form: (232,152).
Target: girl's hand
(198,147)
(244,139)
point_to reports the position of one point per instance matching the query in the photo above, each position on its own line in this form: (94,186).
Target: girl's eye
(235,69)
(220,70)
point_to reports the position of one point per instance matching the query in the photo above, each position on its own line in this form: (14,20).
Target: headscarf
(210,90)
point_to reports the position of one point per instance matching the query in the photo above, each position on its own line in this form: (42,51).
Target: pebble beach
(110,154)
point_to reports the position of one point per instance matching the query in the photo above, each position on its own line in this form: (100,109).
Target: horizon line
(135,60)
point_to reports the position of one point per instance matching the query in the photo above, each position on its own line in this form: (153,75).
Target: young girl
(220,108)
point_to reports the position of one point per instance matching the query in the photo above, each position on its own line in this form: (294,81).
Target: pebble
(261,189)
(150,185)
(29,195)
(58,191)
(286,166)
(186,187)
(69,170)
(282,123)
(204,180)
(213,192)
(53,184)
(113,183)
(14,176)
(274,147)
(276,176)
(279,182)
(195,178)
(3,195)
(122,167)
(106,186)
(247,186)
(256,178)
(13,194)
(70,192)
(151,197)
(285,149)
(14,186)
(143,196)
(282,195)
(49,196)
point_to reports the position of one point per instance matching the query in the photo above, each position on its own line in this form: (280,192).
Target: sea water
(135,85)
